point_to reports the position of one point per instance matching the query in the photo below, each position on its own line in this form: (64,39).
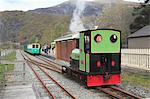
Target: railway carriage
(96,58)
(33,48)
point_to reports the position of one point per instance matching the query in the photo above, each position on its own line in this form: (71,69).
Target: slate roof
(143,32)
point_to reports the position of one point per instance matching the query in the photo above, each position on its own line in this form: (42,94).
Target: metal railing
(11,71)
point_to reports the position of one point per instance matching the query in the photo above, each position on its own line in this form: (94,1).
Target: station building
(140,39)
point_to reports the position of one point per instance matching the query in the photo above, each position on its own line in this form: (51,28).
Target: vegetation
(18,26)
(117,16)
(43,27)
(11,56)
(9,67)
(142,17)
(136,79)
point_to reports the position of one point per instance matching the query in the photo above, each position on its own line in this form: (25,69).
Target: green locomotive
(33,48)
(97,60)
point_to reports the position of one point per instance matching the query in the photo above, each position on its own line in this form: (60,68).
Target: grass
(136,79)
(10,67)
(10,57)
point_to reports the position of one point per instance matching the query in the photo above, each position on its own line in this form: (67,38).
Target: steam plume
(76,22)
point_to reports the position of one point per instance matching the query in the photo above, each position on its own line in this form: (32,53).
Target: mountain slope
(11,22)
(67,8)
(46,24)
(18,26)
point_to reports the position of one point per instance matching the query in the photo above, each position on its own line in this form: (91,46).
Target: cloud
(89,0)
(136,1)
(27,4)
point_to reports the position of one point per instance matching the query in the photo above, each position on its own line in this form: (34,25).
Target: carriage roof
(68,37)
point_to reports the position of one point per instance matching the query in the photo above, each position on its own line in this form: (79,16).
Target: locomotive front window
(98,38)
(87,44)
(37,46)
(113,38)
(33,46)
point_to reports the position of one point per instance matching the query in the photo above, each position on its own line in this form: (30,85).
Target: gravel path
(21,66)
(138,90)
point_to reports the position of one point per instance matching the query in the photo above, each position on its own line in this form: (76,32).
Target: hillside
(67,8)
(43,24)
(26,26)
(46,24)
(10,24)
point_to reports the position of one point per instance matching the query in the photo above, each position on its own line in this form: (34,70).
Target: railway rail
(47,65)
(112,91)
(48,61)
(118,93)
(52,87)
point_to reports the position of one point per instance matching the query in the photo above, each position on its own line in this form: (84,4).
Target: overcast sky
(32,4)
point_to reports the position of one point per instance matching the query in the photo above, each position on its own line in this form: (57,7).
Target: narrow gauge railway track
(49,62)
(118,93)
(114,92)
(53,88)
(46,65)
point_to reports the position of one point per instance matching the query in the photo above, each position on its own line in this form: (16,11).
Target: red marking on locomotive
(80,50)
(99,38)
(98,80)
(82,61)
(113,63)
(98,64)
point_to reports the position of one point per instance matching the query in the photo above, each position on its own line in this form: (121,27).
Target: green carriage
(33,48)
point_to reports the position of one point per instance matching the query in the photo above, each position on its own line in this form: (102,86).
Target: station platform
(17,92)
(17,85)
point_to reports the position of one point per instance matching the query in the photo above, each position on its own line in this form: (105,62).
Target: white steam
(76,22)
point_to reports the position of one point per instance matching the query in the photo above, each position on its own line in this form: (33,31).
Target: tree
(117,16)
(142,17)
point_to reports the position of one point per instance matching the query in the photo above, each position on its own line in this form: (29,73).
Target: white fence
(138,58)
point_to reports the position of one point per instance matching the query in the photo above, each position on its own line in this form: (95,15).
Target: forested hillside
(26,26)
(45,25)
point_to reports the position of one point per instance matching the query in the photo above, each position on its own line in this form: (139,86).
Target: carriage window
(33,46)
(37,46)
(87,44)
